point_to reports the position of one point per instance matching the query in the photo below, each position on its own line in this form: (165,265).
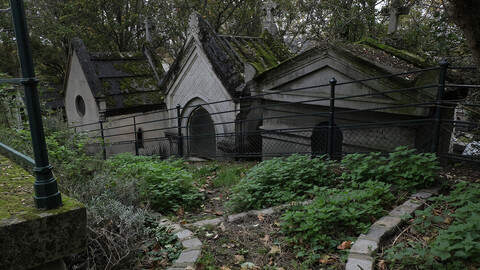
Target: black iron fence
(314,120)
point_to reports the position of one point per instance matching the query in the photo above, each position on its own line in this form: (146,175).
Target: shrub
(278,180)
(116,234)
(402,168)
(167,185)
(335,215)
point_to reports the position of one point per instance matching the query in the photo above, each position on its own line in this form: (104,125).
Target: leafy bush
(278,180)
(453,223)
(402,167)
(334,215)
(167,185)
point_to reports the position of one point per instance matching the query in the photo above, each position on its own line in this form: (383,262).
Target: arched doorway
(201,133)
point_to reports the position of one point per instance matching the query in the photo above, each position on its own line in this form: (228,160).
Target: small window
(80,105)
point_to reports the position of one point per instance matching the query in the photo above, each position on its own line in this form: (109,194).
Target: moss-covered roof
(262,52)
(125,80)
(16,195)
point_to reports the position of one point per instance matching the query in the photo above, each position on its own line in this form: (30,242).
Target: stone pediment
(233,59)
(312,70)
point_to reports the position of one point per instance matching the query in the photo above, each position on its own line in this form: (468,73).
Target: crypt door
(201,133)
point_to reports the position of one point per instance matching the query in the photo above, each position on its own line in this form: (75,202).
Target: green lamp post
(46,190)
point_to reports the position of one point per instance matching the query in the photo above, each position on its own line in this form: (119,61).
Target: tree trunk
(465,13)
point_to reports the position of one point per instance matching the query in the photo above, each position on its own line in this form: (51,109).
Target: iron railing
(265,125)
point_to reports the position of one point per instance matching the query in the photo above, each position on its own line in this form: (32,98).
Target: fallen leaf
(225,268)
(238,258)
(260,217)
(448,220)
(180,212)
(266,239)
(274,250)
(382,265)
(156,247)
(218,213)
(426,239)
(217,199)
(324,258)
(345,245)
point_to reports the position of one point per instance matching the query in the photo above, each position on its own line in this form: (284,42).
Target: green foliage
(165,247)
(167,185)
(278,180)
(402,168)
(335,215)
(455,223)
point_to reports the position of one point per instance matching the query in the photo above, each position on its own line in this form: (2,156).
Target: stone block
(192,243)
(389,222)
(422,195)
(213,222)
(187,257)
(265,212)
(234,217)
(402,211)
(183,234)
(174,228)
(49,237)
(416,205)
(364,246)
(378,233)
(359,262)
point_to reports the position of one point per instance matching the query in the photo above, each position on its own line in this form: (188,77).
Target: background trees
(107,25)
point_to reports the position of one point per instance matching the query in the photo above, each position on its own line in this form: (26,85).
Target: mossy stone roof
(125,80)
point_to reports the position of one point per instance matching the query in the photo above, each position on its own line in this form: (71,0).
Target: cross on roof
(394,11)
(269,23)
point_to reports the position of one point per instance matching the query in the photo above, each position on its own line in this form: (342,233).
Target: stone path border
(193,245)
(362,251)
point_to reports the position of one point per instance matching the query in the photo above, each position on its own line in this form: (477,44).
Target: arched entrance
(201,133)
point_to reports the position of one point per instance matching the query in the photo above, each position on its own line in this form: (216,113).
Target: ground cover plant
(345,199)
(445,235)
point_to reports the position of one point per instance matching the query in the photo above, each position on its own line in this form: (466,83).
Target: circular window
(80,104)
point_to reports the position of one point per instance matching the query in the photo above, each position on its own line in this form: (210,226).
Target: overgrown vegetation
(279,180)
(121,192)
(335,215)
(402,168)
(451,229)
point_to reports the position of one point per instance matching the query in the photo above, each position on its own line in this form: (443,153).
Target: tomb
(208,78)
(111,88)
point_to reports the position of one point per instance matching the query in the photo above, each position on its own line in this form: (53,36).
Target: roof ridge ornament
(269,23)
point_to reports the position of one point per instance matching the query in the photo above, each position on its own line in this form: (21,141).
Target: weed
(278,180)
(334,215)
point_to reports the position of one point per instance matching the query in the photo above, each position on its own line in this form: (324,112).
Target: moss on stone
(404,55)
(136,68)
(106,87)
(16,190)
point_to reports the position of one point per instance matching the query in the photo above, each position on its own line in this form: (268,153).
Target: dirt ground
(256,242)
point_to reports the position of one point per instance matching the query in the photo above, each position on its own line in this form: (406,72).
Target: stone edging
(193,245)
(360,257)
